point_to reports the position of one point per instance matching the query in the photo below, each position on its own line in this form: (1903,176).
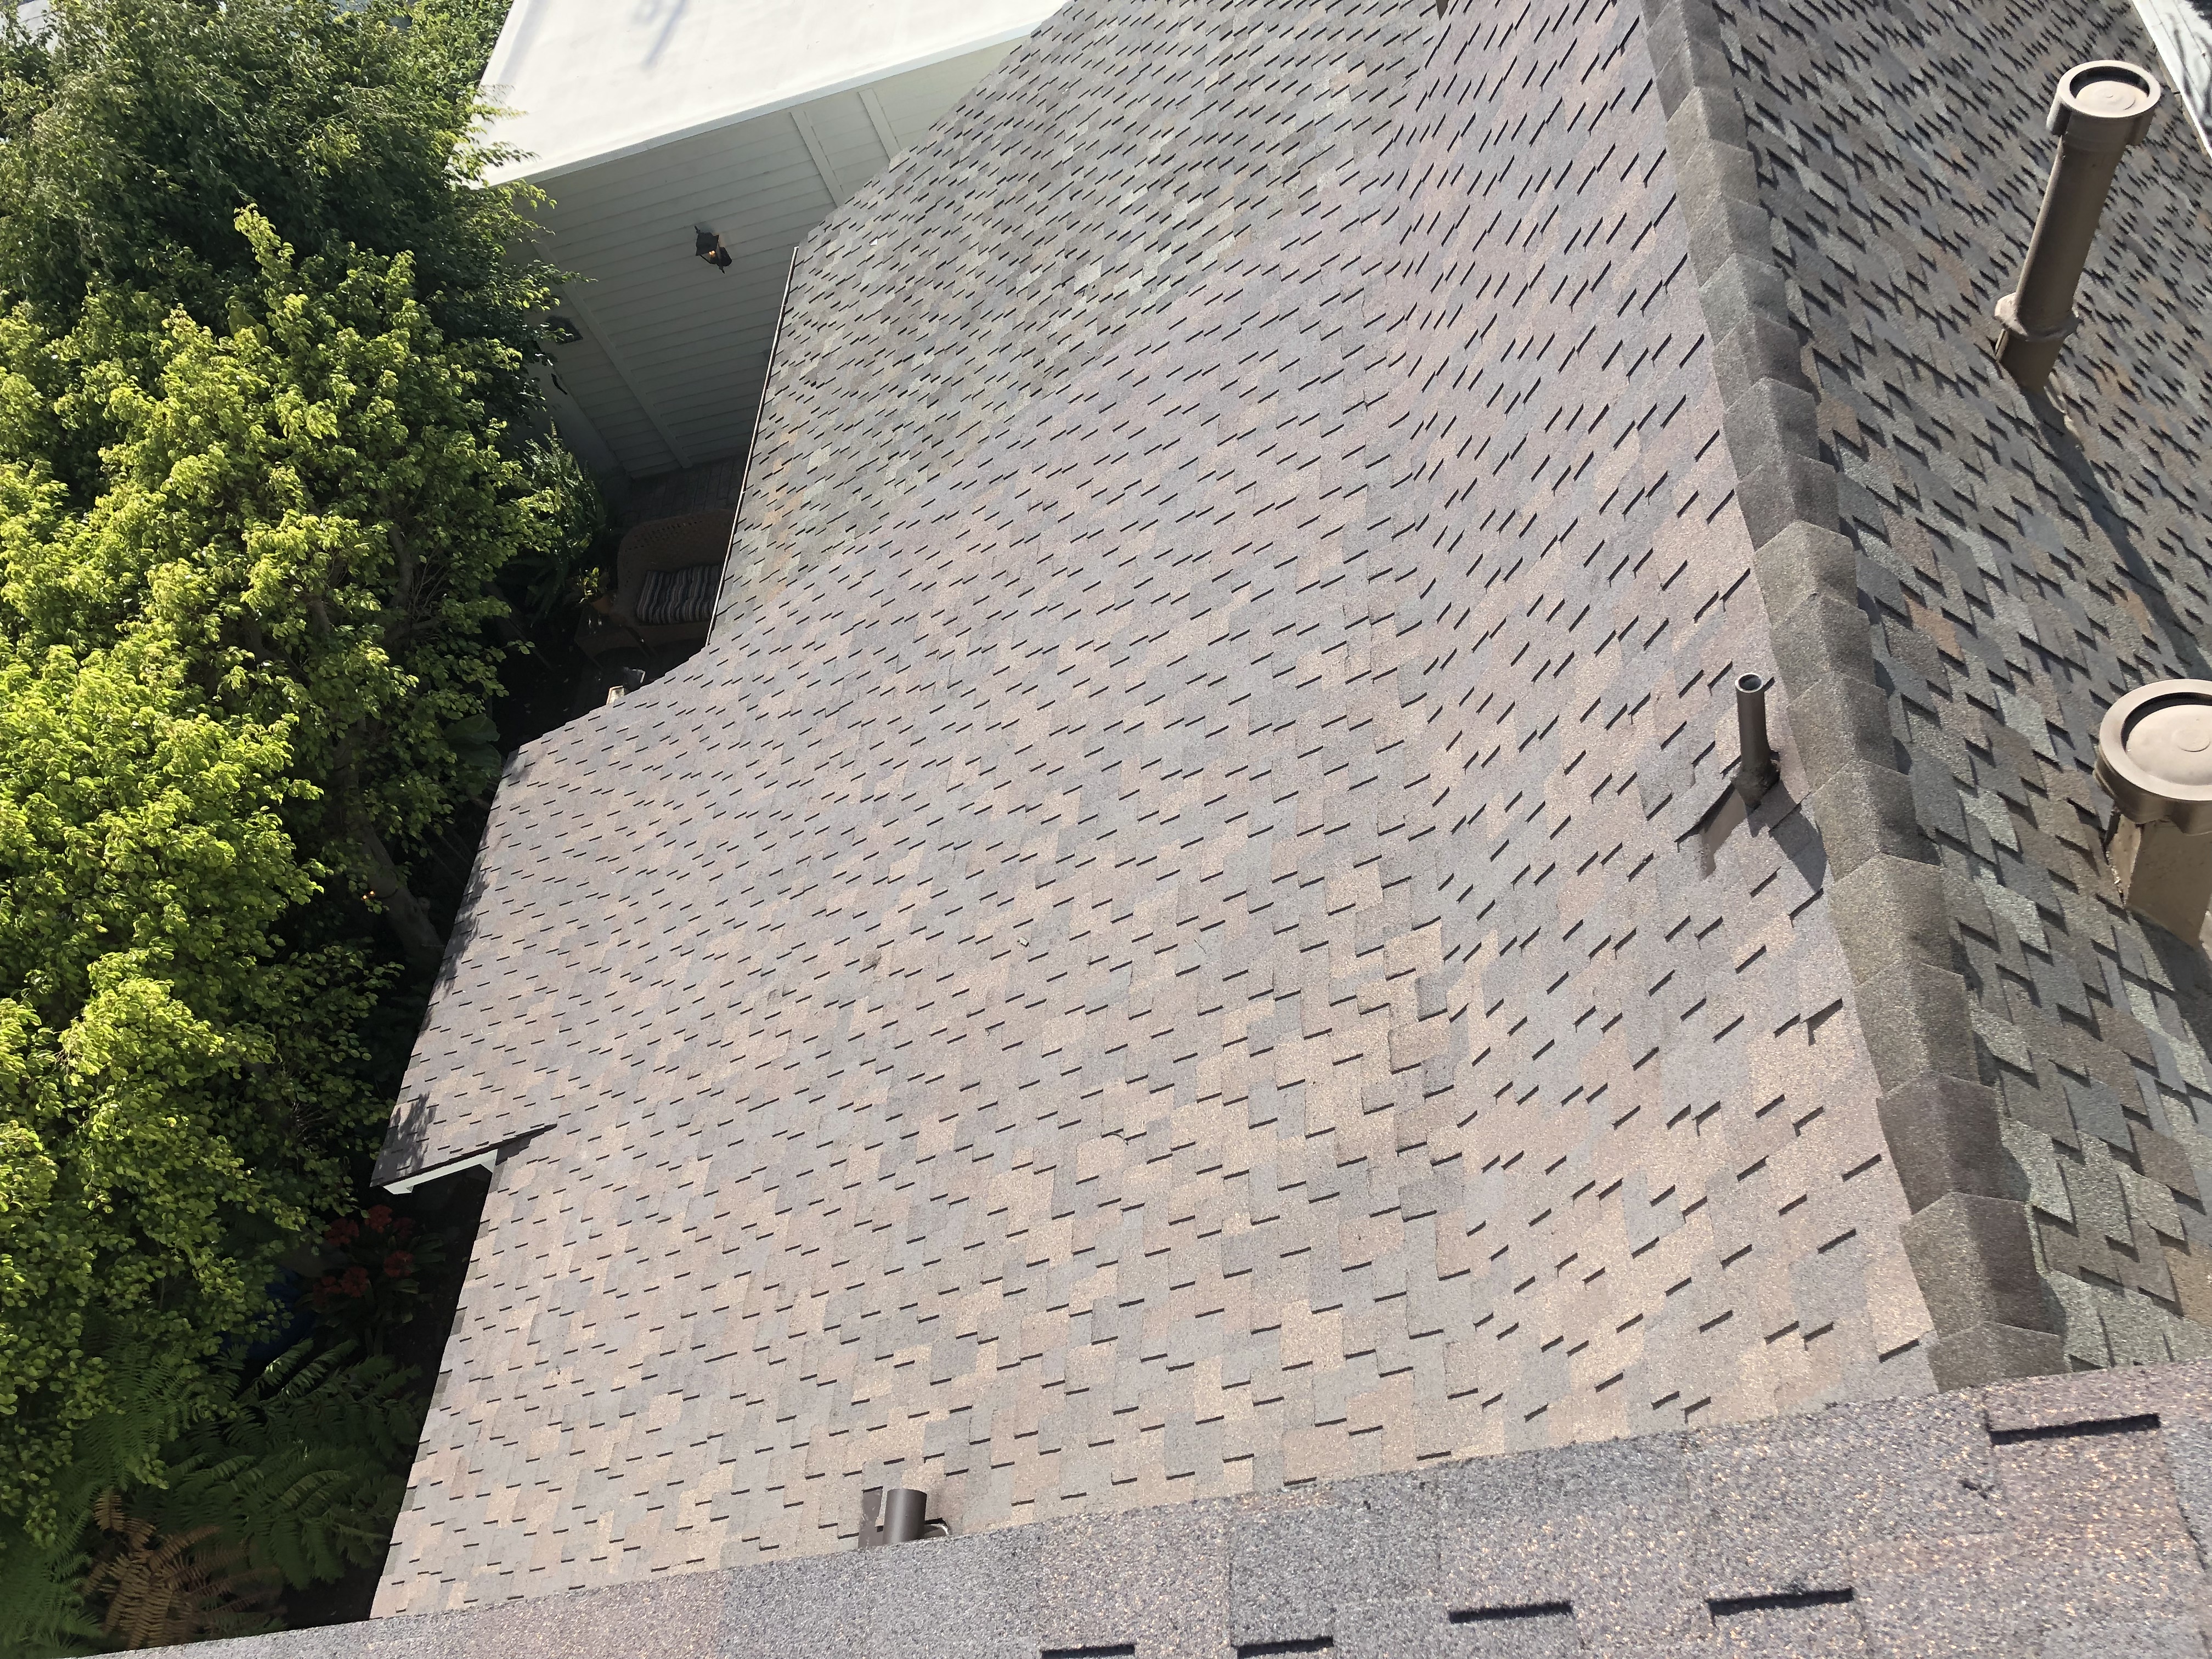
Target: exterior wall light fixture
(2154,758)
(2098,110)
(708,246)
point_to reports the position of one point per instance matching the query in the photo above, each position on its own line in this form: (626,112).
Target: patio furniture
(666,573)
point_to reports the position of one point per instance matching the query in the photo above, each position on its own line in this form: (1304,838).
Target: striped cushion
(672,597)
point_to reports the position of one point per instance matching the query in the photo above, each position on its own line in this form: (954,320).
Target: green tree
(313,506)
(264,399)
(160,1048)
(135,130)
(236,674)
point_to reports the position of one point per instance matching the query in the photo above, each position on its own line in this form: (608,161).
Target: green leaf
(265,385)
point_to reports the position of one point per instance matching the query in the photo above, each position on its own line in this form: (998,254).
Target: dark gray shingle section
(952,290)
(2020,576)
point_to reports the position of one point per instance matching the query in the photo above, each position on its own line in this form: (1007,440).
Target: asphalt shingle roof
(2057,1517)
(1167,947)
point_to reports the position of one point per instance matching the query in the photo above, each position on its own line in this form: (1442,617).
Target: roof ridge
(1969,1239)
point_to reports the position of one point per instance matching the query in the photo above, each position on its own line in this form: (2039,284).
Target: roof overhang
(584,83)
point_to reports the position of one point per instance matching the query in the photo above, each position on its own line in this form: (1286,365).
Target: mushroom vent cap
(2105,104)
(2155,755)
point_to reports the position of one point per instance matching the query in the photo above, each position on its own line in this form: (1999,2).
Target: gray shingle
(1163,951)
(2059,1531)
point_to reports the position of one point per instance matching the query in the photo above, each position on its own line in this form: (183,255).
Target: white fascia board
(575,103)
(407,1183)
(484,1157)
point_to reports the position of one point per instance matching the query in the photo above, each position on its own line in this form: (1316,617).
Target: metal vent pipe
(903,1515)
(895,1517)
(2098,110)
(1755,770)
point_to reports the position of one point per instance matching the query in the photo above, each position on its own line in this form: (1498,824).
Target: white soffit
(590,80)
(668,371)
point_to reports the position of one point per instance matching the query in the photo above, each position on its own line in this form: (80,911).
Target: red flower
(398,1265)
(355,1281)
(342,1233)
(379,1218)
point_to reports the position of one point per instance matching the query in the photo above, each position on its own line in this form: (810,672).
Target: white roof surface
(592,79)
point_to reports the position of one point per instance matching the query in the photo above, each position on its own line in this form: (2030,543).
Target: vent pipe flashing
(2098,110)
(2154,758)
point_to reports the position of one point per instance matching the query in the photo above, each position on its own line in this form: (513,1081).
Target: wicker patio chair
(686,554)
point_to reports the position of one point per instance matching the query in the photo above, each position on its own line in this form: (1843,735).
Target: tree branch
(410,922)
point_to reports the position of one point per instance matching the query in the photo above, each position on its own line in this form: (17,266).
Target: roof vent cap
(2106,105)
(2155,755)
(2154,758)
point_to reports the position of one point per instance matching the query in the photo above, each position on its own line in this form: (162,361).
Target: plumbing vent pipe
(898,1521)
(1755,771)
(2098,110)
(2154,758)
(903,1509)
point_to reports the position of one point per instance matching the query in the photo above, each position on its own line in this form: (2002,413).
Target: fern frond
(43,1611)
(296,1374)
(165,1588)
(306,1469)
(148,1407)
